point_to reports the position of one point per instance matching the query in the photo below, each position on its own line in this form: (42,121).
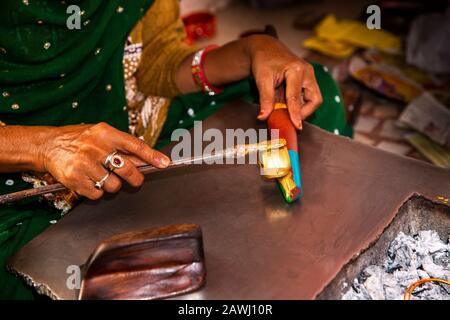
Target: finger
(140,149)
(266,95)
(313,100)
(77,179)
(111,185)
(311,105)
(130,173)
(87,189)
(136,161)
(312,95)
(294,84)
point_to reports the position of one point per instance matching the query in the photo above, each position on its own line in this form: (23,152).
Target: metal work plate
(256,246)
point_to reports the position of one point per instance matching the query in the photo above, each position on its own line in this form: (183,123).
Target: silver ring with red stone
(114,161)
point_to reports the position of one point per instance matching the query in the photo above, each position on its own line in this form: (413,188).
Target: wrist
(43,145)
(199,74)
(253,43)
(22,148)
(38,146)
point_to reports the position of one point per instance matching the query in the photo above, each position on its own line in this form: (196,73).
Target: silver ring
(99,184)
(114,161)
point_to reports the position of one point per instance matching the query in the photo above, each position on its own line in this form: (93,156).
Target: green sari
(50,75)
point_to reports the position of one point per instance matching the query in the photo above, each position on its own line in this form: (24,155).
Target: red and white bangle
(198,72)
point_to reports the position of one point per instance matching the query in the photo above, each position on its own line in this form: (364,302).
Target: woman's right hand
(76,155)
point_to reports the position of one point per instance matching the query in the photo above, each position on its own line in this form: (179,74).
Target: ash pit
(414,246)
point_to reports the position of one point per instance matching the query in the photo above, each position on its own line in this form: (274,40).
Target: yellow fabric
(340,38)
(164,49)
(149,128)
(330,48)
(357,33)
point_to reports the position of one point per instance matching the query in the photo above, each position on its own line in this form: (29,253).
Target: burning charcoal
(442,258)
(434,270)
(431,242)
(374,283)
(409,259)
(357,292)
(405,253)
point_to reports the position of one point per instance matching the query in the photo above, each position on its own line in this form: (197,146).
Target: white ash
(409,259)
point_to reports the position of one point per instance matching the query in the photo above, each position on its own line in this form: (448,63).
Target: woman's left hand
(271,64)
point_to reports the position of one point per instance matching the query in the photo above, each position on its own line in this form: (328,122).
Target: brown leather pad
(146,264)
(256,246)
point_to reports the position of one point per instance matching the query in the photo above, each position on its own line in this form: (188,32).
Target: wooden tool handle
(279,120)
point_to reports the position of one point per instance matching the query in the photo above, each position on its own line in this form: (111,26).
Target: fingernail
(164,161)
(261,115)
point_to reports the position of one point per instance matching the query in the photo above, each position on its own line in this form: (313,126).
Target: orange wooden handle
(279,120)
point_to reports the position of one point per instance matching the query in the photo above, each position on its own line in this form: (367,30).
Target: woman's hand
(271,64)
(76,154)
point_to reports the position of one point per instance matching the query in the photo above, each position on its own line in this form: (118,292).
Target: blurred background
(391,60)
